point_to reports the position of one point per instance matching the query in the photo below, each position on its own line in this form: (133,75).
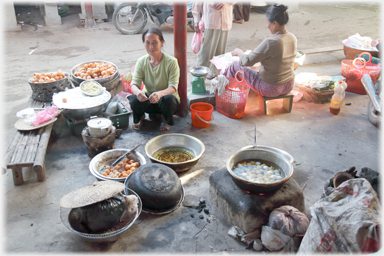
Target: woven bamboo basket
(45,91)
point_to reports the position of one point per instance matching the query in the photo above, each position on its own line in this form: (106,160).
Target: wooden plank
(33,145)
(20,147)
(42,149)
(17,175)
(12,147)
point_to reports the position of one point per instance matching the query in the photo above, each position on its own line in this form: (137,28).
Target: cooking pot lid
(158,177)
(99,122)
(97,192)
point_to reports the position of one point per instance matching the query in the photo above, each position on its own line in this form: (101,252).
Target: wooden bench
(28,149)
(287,102)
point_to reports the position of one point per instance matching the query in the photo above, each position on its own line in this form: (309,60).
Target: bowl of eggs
(44,85)
(259,170)
(98,70)
(101,165)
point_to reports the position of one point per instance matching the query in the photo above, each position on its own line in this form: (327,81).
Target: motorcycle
(131,18)
(373,92)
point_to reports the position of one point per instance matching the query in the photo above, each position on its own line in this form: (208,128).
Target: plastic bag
(346,221)
(273,239)
(288,220)
(101,216)
(28,115)
(218,85)
(197,39)
(45,115)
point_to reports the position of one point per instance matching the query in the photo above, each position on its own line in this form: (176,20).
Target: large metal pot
(82,113)
(158,186)
(279,151)
(175,140)
(259,154)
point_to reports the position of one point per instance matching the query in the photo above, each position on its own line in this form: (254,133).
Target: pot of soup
(178,151)
(259,170)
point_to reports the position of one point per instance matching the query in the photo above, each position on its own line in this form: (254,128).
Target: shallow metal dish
(100,161)
(282,152)
(175,140)
(262,154)
(109,236)
(199,71)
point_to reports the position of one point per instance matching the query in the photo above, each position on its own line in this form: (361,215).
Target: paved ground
(321,143)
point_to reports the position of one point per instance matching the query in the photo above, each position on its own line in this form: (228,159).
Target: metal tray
(199,71)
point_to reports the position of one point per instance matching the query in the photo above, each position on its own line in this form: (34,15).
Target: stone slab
(207,98)
(249,211)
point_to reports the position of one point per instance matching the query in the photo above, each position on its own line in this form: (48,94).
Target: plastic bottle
(338,96)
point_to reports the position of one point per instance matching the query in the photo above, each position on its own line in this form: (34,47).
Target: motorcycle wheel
(122,18)
(373,116)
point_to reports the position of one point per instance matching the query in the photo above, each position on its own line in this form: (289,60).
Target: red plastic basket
(232,102)
(353,71)
(127,84)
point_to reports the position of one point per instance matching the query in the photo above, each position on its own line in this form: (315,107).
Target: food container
(44,91)
(101,160)
(99,127)
(94,193)
(90,88)
(77,80)
(158,186)
(274,157)
(78,111)
(175,140)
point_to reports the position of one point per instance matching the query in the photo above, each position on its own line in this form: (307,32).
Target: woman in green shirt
(160,74)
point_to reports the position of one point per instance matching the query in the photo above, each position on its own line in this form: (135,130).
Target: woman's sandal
(164,127)
(138,126)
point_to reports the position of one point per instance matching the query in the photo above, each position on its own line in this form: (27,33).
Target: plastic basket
(232,102)
(353,71)
(127,84)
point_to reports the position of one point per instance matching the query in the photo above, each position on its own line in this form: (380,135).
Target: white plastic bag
(273,239)
(346,221)
(197,39)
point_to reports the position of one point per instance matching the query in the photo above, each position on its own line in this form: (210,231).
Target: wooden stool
(287,102)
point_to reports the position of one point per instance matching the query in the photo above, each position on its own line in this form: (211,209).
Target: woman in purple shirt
(276,55)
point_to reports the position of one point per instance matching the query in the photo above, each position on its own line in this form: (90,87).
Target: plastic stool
(287,102)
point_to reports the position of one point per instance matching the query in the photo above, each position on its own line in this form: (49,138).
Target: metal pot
(274,157)
(279,151)
(175,140)
(99,127)
(158,186)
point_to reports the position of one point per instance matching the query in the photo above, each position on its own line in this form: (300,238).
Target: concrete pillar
(10,21)
(98,10)
(51,16)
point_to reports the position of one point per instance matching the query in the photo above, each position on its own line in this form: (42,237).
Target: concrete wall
(9,21)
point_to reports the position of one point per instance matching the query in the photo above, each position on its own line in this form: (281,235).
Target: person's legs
(251,76)
(209,49)
(238,12)
(246,11)
(168,106)
(138,108)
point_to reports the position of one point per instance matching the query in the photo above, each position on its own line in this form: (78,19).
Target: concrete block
(51,16)
(207,98)
(236,207)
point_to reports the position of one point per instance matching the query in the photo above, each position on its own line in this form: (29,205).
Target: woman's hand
(197,28)
(155,97)
(237,52)
(141,96)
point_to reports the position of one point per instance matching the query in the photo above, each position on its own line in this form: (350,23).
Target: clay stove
(249,211)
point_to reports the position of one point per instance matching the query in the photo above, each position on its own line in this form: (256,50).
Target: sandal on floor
(137,126)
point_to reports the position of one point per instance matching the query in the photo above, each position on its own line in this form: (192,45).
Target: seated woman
(276,55)
(160,74)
